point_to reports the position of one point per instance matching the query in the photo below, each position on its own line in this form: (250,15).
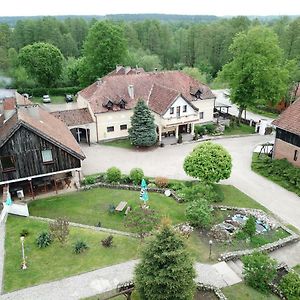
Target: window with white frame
(171,110)
(184,108)
(47,156)
(201,115)
(123,127)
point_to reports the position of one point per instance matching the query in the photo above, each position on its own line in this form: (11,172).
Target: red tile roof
(115,88)
(9,103)
(74,117)
(289,120)
(43,124)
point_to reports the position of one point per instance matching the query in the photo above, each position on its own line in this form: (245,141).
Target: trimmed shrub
(199,213)
(125,179)
(290,286)
(44,240)
(210,128)
(113,175)
(80,247)
(136,175)
(107,242)
(201,130)
(161,182)
(259,271)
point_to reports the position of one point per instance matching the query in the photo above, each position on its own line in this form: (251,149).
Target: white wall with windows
(180,108)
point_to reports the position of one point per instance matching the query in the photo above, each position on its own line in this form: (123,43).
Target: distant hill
(141,17)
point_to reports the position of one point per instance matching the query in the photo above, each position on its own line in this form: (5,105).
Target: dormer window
(122,104)
(109,105)
(198,94)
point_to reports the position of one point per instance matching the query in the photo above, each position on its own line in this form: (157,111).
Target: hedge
(50,91)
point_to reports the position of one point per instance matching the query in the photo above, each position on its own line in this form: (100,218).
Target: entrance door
(178,111)
(183,128)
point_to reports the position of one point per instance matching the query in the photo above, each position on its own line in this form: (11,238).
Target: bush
(101,177)
(259,271)
(107,242)
(176,186)
(125,179)
(200,191)
(290,286)
(161,182)
(98,224)
(136,175)
(210,128)
(241,235)
(199,214)
(24,232)
(250,226)
(151,185)
(80,247)
(200,130)
(111,208)
(60,229)
(44,240)
(113,175)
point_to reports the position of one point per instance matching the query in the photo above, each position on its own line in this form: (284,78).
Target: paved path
(233,110)
(106,279)
(168,162)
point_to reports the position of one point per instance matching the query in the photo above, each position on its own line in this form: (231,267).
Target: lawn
(90,207)
(241,129)
(121,143)
(241,291)
(56,262)
(263,112)
(54,99)
(297,269)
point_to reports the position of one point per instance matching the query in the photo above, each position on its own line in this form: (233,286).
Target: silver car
(46,99)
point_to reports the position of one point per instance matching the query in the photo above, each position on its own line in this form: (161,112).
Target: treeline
(149,44)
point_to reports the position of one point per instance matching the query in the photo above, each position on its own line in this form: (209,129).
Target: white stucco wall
(179,102)
(207,107)
(116,119)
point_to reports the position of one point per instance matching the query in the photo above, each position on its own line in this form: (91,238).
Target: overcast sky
(102,7)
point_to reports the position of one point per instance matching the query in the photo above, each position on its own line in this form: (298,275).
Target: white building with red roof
(177,101)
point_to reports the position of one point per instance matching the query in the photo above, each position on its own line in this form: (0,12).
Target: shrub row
(40,91)
(278,170)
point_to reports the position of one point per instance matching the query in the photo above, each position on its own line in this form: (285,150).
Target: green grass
(265,166)
(241,291)
(234,197)
(56,262)
(90,207)
(239,130)
(120,143)
(297,269)
(54,99)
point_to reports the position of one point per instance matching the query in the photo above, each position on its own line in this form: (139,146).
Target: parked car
(69,98)
(46,99)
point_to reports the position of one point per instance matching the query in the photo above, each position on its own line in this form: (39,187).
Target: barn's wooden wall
(26,147)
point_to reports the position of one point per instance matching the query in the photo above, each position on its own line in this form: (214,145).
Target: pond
(261,227)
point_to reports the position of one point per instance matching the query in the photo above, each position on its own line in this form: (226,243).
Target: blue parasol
(8,199)
(144,194)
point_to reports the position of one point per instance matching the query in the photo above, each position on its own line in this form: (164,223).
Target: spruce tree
(143,130)
(166,270)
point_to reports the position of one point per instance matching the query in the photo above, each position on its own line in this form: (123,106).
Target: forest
(201,48)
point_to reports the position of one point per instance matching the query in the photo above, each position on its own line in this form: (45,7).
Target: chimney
(131,91)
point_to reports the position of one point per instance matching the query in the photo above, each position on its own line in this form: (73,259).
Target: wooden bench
(128,209)
(121,206)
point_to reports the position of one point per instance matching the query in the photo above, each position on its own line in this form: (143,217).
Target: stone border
(265,248)
(211,288)
(129,187)
(107,230)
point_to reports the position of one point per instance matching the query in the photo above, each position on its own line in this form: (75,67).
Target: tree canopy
(258,71)
(104,48)
(142,132)
(43,62)
(208,162)
(166,270)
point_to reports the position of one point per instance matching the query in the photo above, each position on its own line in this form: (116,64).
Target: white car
(46,99)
